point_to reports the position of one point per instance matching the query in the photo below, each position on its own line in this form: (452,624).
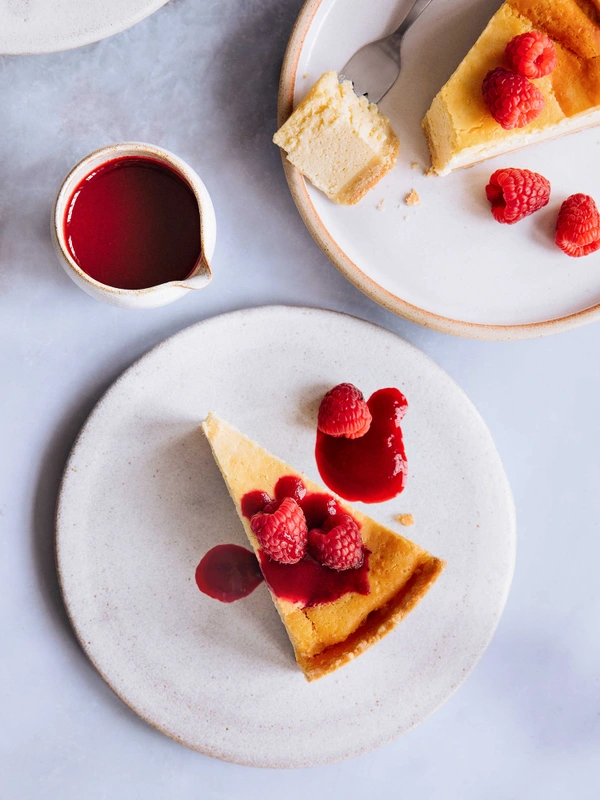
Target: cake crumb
(406,519)
(406,219)
(306,75)
(415,165)
(413,198)
(381,204)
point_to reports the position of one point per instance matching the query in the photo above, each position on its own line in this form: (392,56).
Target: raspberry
(516,193)
(281,531)
(512,100)
(578,226)
(344,412)
(338,544)
(531,54)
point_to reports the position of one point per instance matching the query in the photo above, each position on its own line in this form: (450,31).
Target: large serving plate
(45,26)
(142,501)
(446,263)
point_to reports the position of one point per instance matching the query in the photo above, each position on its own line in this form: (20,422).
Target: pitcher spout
(200,277)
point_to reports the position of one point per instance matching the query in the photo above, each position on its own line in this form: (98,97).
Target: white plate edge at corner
(82,36)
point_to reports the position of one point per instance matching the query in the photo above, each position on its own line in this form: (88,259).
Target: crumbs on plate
(381,204)
(406,519)
(413,198)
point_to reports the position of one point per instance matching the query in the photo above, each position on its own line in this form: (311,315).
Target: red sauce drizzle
(228,572)
(372,468)
(308,582)
(253,502)
(134,223)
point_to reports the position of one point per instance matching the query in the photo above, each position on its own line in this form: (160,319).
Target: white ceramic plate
(142,501)
(446,263)
(45,26)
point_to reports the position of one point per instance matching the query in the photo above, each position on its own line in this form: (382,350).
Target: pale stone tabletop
(200,78)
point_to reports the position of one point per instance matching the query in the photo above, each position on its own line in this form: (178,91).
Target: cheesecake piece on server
(459,128)
(342,143)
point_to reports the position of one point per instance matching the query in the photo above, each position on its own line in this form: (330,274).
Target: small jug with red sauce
(134,226)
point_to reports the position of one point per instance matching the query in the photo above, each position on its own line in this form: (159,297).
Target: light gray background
(200,78)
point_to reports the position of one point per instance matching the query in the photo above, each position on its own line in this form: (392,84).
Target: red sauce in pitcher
(134,223)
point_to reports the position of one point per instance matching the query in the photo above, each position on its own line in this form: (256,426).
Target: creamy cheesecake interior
(459,128)
(342,143)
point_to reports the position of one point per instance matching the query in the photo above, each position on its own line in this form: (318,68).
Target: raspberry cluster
(516,193)
(282,531)
(512,99)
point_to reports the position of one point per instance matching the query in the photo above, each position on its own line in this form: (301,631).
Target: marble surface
(200,78)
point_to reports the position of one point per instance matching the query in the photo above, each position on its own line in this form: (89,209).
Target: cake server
(375,67)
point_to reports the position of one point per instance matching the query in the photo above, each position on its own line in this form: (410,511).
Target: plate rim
(207,749)
(91,37)
(350,270)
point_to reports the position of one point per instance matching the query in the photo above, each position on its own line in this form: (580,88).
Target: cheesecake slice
(459,128)
(325,635)
(342,143)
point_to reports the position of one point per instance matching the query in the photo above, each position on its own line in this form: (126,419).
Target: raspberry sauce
(133,223)
(228,572)
(372,468)
(307,583)
(253,502)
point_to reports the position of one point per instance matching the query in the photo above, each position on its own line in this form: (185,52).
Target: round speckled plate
(142,501)
(446,263)
(45,26)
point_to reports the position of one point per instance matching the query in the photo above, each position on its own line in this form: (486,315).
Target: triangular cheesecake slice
(325,635)
(459,128)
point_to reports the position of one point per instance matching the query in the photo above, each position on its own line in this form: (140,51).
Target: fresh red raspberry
(531,54)
(513,101)
(578,226)
(516,193)
(344,412)
(338,544)
(281,531)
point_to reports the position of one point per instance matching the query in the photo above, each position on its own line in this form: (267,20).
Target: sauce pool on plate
(373,467)
(134,223)
(228,572)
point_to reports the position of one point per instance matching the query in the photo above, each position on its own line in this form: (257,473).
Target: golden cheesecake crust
(329,635)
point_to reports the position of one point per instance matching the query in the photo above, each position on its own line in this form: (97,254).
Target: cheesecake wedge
(343,613)
(459,128)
